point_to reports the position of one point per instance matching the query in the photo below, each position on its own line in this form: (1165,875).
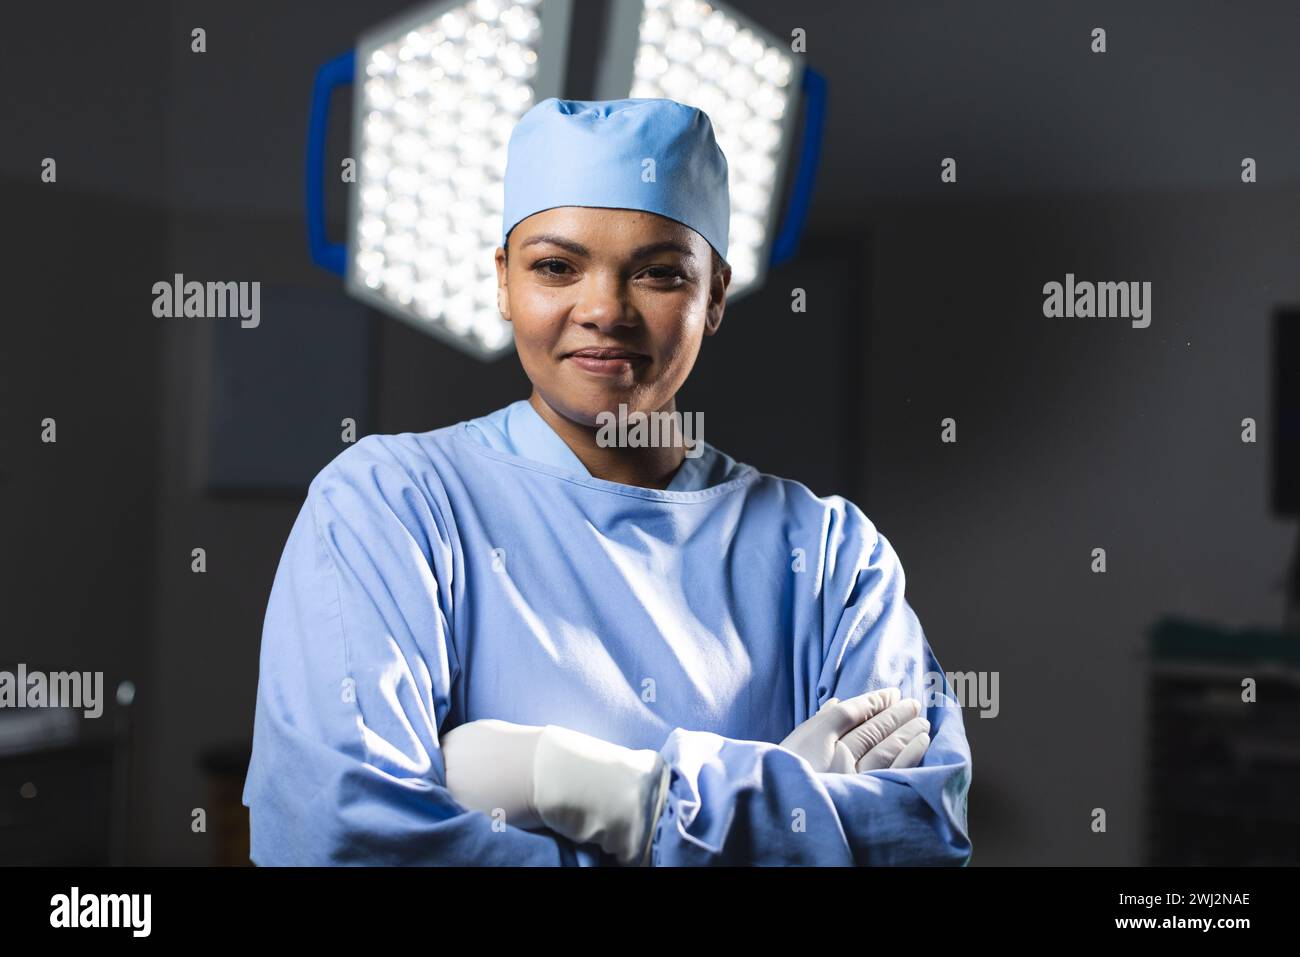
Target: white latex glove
(590,790)
(586,789)
(490,768)
(866,732)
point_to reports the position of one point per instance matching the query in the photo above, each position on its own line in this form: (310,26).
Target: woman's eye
(663,272)
(546,264)
(557,268)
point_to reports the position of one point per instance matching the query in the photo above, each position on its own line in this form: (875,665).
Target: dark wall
(1074,434)
(79,515)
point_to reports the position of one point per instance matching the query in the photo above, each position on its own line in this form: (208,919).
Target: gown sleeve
(356,668)
(734,801)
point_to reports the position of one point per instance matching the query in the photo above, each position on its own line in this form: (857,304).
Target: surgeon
(512,641)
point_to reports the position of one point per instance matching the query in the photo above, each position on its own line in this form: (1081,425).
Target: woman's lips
(614,366)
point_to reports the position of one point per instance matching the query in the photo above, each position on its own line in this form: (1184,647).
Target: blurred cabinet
(1222,774)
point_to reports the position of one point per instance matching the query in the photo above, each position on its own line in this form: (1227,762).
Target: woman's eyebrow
(666,245)
(576,248)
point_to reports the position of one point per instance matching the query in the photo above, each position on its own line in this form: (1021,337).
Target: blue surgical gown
(479,571)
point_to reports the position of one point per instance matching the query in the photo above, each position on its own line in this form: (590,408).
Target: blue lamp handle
(786,243)
(331,75)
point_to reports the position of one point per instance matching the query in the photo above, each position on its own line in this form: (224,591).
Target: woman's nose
(603,303)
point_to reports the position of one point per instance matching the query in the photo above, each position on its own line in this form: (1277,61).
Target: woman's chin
(588,400)
(594,411)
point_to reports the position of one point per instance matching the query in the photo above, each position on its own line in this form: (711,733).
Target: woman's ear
(503,291)
(718,284)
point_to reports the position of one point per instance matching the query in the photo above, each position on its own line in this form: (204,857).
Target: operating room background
(924,301)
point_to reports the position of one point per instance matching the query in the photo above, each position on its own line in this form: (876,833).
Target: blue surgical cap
(594,152)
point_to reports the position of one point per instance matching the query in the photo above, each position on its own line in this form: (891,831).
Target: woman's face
(625,281)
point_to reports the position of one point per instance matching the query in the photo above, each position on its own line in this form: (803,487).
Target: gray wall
(1074,434)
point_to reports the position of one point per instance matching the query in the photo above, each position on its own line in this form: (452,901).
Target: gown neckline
(746,474)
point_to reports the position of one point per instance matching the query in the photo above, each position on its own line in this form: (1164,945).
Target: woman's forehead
(604,225)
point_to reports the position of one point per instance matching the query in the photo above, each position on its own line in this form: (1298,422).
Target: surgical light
(436,95)
(747,81)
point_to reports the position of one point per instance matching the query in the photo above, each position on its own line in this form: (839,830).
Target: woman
(511,641)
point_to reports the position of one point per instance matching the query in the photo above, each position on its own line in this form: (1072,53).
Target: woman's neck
(647,466)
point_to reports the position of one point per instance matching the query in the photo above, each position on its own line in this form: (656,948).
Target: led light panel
(436,95)
(743,77)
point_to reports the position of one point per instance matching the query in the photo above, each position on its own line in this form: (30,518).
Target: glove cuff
(659,799)
(592,791)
